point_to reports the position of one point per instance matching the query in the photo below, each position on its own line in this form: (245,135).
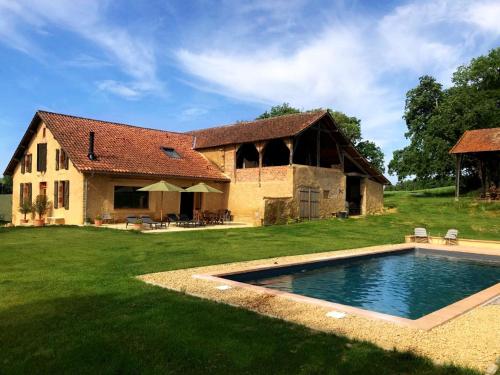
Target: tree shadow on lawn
(151,330)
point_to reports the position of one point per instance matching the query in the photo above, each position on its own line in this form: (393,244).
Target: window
(28,162)
(41,157)
(43,188)
(326,194)
(129,197)
(170,152)
(62,161)
(25,193)
(61,194)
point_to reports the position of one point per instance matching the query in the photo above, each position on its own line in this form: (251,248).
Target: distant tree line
(437,117)
(6,185)
(350,126)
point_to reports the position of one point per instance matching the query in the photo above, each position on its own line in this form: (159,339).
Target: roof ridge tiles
(113,122)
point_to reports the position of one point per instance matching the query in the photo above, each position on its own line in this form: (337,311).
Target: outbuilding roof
(121,148)
(480,140)
(258,130)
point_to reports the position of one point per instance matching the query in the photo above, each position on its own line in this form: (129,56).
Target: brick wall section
(279,173)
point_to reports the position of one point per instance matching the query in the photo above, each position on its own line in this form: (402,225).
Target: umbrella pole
(161,208)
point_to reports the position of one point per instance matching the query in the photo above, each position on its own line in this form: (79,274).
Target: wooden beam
(318,147)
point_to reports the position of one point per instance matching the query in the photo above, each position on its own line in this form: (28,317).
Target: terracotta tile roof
(259,130)
(480,140)
(126,149)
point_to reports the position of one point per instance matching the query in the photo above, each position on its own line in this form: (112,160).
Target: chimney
(91,154)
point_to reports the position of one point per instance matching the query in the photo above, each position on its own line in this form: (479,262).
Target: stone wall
(373,197)
(330,182)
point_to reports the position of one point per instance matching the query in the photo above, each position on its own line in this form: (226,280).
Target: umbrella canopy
(162,186)
(202,188)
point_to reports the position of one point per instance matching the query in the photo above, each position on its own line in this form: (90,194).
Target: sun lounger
(451,237)
(146,219)
(130,220)
(420,235)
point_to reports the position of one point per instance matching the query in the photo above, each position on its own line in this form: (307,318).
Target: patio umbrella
(202,188)
(162,186)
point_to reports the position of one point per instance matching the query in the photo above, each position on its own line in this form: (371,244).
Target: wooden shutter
(30,162)
(304,203)
(23,164)
(57,159)
(30,192)
(66,160)
(56,194)
(314,204)
(308,203)
(66,195)
(41,157)
(21,194)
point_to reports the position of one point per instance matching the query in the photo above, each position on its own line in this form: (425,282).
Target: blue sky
(182,65)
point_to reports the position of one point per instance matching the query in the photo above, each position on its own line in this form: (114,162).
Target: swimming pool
(410,283)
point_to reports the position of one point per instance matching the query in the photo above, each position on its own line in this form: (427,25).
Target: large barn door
(308,203)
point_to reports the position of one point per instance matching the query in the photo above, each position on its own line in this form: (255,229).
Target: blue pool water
(408,284)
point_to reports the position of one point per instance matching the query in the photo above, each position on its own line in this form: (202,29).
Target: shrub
(41,205)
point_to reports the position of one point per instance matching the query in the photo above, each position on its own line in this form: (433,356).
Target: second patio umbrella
(202,188)
(162,186)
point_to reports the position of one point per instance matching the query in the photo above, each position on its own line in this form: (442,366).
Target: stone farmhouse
(89,167)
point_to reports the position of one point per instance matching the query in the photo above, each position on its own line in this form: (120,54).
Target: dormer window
(171,153)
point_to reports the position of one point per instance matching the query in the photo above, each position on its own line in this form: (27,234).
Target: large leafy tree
(436,119)
(6,185)
(350,126)
(279,110)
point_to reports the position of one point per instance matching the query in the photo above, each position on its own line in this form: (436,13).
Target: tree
(6,185)
(279,110)
(350,126)
(436,119)
(373,153)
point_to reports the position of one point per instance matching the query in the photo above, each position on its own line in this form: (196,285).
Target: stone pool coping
(465,333)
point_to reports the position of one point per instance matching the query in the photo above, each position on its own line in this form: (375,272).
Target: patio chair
(451,237)
(420,235)
(172,218)
(146,219)
(130,220)
(108,217)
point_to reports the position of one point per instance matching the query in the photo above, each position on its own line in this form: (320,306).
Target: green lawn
(69,301)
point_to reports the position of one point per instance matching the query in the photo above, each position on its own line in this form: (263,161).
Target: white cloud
(486,15)
(118,88)
(360,65)
(134,55)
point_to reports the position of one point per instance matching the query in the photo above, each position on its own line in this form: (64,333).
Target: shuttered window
(57,159)
(308,203)
(23,164)
(41,157)
(29,163)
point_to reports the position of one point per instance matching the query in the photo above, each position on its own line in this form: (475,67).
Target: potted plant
(138,224)
(25,208)
(41,207)
(98,220)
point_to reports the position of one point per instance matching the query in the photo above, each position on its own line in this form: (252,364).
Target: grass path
(69,301)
